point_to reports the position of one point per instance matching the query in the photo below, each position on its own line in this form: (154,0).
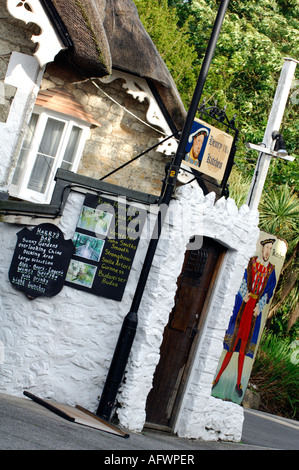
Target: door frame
(183,380)
(194,347)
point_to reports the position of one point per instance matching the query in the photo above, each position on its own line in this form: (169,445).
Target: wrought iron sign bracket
(218,115)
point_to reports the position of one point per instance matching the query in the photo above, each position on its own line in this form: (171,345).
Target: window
(52,141)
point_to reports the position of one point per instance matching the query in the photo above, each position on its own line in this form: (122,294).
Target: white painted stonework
(25,74)
(61,348)
(201,415)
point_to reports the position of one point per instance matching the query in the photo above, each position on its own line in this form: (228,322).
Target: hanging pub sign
(247,322)
(106,240)
(40,261)
(208,149)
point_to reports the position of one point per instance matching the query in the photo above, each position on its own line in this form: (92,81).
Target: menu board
(40,261)
(105,240)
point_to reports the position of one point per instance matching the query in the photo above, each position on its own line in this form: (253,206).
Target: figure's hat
(200,131)
(268,240)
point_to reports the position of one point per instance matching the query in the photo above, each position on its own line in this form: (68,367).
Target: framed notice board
(40,261)
(105,240)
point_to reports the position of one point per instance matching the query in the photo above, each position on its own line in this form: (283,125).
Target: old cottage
(83,92)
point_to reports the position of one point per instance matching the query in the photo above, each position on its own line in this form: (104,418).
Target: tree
(161,23)
(255,37)
(279,215)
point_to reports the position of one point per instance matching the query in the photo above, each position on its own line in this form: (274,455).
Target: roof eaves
(57,23)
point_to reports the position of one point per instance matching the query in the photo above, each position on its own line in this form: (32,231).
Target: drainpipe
(128,330)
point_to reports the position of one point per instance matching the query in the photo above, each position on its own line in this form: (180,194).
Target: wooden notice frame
(106,240)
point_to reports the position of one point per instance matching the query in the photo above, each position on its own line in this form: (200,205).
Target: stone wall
(14,36)
(61,347)
(121,136)
(125,131)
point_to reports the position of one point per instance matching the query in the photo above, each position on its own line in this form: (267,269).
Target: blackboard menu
(106,240)
(40,261)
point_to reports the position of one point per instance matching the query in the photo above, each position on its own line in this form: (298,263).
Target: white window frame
(20,190)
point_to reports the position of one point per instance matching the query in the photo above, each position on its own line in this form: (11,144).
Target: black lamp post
(128,330)
(279,146)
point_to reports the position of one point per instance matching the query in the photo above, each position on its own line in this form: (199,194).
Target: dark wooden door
(185,320)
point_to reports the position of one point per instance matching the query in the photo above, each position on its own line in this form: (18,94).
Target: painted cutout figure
(256,290)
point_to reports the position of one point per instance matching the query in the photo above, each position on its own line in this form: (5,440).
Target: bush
(275,373)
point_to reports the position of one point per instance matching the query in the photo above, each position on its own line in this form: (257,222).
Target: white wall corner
(24,73)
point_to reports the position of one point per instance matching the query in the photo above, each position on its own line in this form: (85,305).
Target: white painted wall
(200,416)
(61,348)
(25,74)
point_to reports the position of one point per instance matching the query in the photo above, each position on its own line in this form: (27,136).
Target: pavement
(27,425)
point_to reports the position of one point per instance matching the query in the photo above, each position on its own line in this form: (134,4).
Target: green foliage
(279,214)
(239,185)
(276,374)
(171,41)
(279,324)
(255,38)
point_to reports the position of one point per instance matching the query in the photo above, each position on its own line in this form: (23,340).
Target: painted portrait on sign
(197,142)
(248,319)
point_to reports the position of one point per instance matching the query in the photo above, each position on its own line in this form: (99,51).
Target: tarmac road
(26,425)
(270,431)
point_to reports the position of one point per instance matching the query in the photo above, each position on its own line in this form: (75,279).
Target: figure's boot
(240,370)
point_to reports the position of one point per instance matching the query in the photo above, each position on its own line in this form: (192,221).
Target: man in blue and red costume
(256,290)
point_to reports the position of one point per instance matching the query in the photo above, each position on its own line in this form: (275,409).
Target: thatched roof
(108,34)
(83,20)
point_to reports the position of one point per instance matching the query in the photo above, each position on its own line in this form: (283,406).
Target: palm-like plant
(279,214)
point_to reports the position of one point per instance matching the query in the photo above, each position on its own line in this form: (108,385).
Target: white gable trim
(139,89)
(31,11)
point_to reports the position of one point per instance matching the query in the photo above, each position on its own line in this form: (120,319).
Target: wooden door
(194,284)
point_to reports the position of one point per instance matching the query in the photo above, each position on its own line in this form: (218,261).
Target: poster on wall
(105,240)
(40,261)
(207,150)
(246,325)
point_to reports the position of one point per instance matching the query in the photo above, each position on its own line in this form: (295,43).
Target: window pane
(25,148)
(42,169)
(41,173)
(51,138)
(71,148)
